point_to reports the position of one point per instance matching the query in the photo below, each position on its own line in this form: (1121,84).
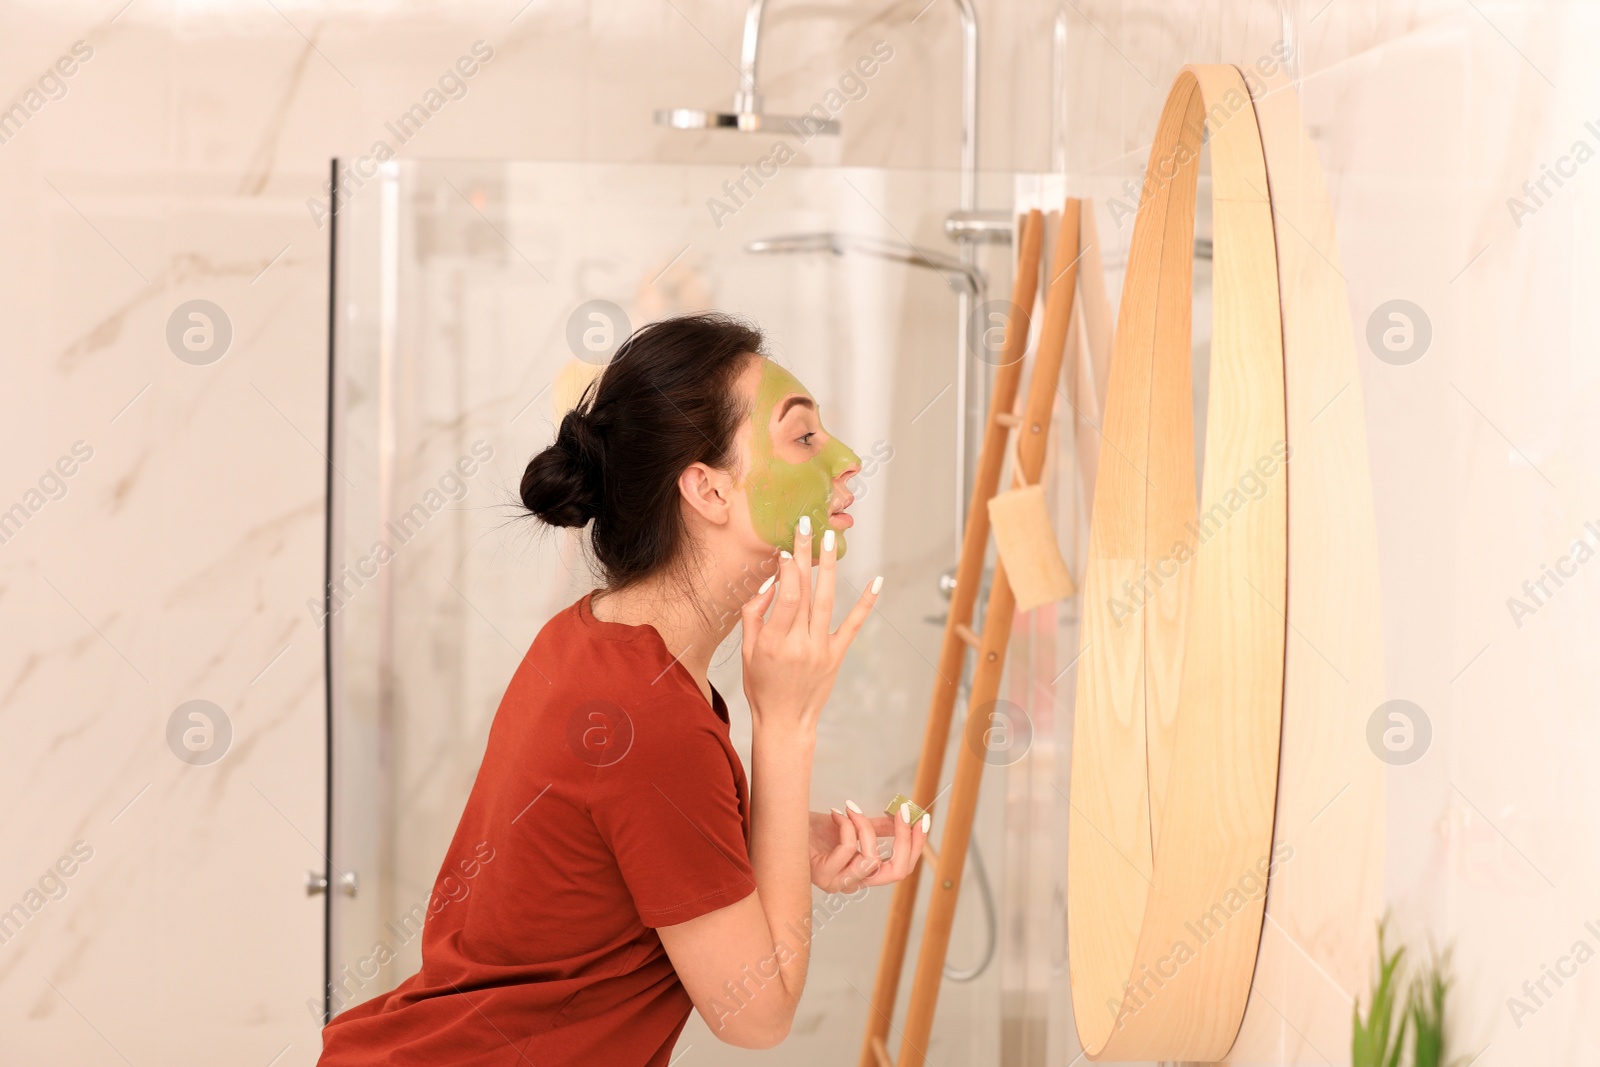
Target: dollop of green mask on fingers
(779,491)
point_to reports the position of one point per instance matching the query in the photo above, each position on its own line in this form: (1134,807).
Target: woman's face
(794,467)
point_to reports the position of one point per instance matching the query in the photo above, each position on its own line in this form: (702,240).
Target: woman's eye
(805,438)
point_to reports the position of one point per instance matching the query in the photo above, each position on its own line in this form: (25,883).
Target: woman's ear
(708,491)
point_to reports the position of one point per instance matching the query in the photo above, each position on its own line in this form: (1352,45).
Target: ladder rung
(1006,418)
(967,634)
(929,856)
(880,1052)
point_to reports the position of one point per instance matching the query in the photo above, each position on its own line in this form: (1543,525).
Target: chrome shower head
(685,118)
(746,115)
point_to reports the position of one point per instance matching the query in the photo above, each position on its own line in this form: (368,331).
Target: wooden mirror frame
(1181,679)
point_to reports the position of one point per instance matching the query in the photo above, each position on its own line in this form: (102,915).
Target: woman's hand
(844,848)
(791,658)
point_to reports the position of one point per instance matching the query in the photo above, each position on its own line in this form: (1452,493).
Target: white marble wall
(175,163)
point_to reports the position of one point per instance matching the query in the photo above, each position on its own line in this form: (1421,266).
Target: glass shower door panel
(474,294)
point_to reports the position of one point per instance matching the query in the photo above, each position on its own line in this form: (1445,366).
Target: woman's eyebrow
(794,400)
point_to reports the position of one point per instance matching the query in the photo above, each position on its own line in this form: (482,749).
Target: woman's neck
(691,625)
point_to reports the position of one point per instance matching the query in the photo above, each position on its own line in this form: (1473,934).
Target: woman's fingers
(904,856)
(854,862)
(894,868)
(802,558)
(909,838)
(753,611)
(843,853)
(847,830)
(920,828)
(857,618)
(826,875)
(788,592)
(867,842)
(822,600)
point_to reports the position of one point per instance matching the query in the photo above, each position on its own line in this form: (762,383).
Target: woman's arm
(744,966)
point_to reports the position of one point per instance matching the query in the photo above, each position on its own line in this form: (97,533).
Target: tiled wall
(173,562)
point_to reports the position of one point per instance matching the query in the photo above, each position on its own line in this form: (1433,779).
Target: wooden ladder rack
(1033,426)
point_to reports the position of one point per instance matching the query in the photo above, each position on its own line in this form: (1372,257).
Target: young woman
(612,867)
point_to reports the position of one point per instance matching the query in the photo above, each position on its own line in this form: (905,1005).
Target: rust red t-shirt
(610,801)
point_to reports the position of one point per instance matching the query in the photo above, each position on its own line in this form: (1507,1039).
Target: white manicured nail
(852,806)
(827,541)
(905,814)
(765,585)
(927,821)
(877,583)
(836,811)
(804,526)
(784,555)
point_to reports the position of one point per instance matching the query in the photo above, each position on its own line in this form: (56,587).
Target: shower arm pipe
(748,97)
(969,105)
(963,277)
(968,254)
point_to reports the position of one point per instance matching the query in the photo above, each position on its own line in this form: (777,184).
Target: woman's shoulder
(574,632)
(578,660)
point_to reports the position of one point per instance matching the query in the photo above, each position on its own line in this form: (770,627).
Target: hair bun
(562,484)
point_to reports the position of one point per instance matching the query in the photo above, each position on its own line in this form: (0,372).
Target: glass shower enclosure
(472,303)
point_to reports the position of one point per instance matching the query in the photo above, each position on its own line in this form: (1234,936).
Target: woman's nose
(842,462)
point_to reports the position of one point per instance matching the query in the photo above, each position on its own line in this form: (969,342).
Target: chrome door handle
(317,882)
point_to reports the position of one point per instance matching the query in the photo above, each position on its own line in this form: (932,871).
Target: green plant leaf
(1374,1041)
(1426,1008)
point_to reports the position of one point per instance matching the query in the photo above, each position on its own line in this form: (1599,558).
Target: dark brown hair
(666,400)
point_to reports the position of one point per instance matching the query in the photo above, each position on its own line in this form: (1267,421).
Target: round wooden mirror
(1180,688)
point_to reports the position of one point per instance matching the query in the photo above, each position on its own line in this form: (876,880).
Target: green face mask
(780,491)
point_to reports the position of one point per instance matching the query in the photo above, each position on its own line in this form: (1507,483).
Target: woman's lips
(837,518)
